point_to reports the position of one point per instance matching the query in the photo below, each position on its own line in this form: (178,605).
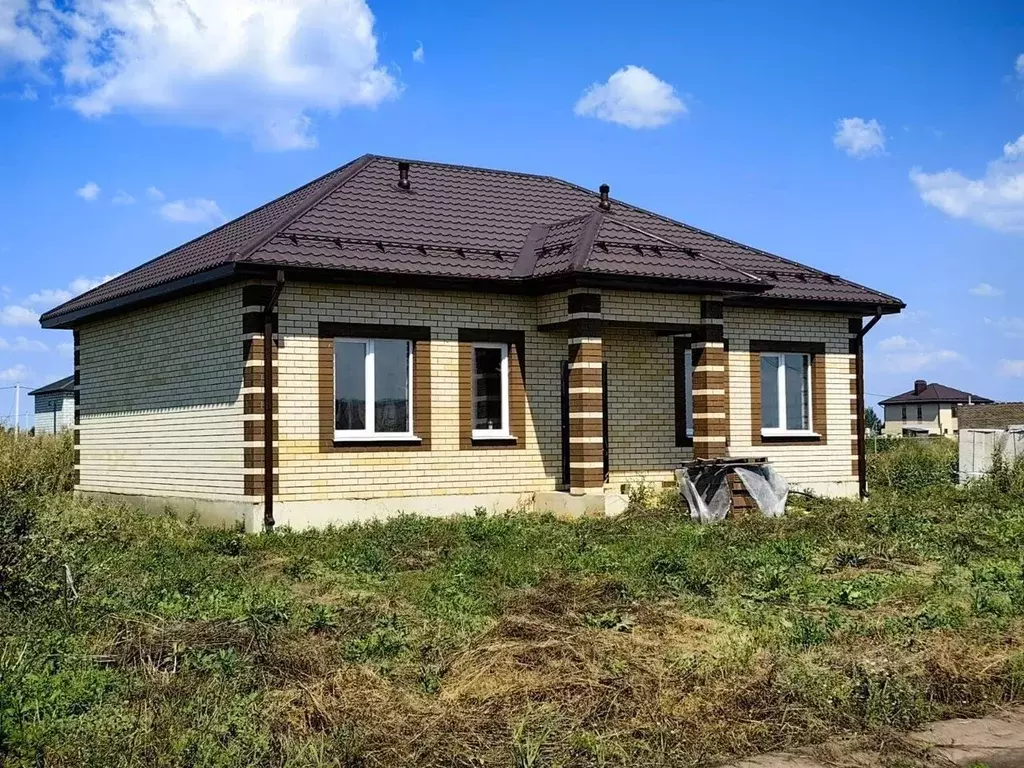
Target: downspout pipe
(268,403)
(862,467)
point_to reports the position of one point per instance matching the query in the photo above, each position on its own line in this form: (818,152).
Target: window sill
(794,436)
(493,440)
(395,440)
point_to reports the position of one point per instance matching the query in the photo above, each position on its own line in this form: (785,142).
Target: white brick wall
(54,413)
(161,413)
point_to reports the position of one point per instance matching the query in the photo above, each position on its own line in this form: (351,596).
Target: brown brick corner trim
(819,415)
(516,341)
(419,335)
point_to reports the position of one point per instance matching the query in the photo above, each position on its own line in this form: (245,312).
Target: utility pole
(17,411)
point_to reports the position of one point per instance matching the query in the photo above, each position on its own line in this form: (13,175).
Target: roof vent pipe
(919,386)
(403,175)
(605,204)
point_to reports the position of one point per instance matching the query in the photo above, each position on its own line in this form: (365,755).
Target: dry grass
(518,640)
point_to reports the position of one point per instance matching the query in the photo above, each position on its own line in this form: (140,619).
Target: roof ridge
(716,236)
(286,219)
(463,167)
(704,256)
(55,310)
(585,241)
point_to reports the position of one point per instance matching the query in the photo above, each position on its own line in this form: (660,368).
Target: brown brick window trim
(680,385)
(419,335)
(516,341)
(819,416)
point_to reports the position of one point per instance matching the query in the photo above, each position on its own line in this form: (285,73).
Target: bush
(911,466)
(36,464)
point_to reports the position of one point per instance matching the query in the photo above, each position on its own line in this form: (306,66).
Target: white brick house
(54,406)
(443,338)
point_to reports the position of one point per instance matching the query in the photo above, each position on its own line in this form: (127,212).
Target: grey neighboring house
(55,406)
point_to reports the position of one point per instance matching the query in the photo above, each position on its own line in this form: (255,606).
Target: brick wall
(160,403)
(162,396)
(824,468)
(308,474)
(54,413)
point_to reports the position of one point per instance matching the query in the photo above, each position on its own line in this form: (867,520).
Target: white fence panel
(979,446)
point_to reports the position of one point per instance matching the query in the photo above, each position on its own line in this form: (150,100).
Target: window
(919,416)
(903,412)
(682,372)
(688,383)
(785,393)
(373,389)
(490,391)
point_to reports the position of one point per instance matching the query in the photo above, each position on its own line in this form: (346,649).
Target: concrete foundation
(320,514)
(214,513)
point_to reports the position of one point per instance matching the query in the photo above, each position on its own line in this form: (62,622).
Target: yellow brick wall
(160,409)
(306,474)
(824,468)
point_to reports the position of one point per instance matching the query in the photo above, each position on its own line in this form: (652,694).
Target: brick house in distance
(443,338)
(927,409)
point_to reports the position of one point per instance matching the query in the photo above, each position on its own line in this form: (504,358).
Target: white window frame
(781,430)
(492,434)
(369,386)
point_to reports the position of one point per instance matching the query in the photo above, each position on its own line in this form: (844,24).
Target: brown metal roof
(935,393)
(469,224)
(991,415)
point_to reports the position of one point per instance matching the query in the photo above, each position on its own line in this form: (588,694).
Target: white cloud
(21,344)
(1010,327)
(154,194)
(15,314)
(28,93)
(51,297)
(262,68)
(14,373)
(995,201)
(900,354)
(858,137)
(417,55)
(632,97)
(89,192)
(66,348)
(21,41)
(193,211)
(1012,368)
(912,316)
(1020,66)
(122,198)
(984,289)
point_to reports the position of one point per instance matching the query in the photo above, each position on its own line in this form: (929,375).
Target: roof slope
(62,386)
(991,416)
(935,393)
(472,223)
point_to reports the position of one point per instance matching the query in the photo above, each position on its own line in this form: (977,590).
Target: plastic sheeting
(707,492)
(708,495)
(767,488)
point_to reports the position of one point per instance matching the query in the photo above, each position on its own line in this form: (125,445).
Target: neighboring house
(989,415)
(927,409)
(443,338)
(55,406)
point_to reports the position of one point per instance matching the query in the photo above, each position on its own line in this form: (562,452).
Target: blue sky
(879,141)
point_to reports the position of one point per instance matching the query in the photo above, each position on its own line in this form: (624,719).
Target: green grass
(494,641)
